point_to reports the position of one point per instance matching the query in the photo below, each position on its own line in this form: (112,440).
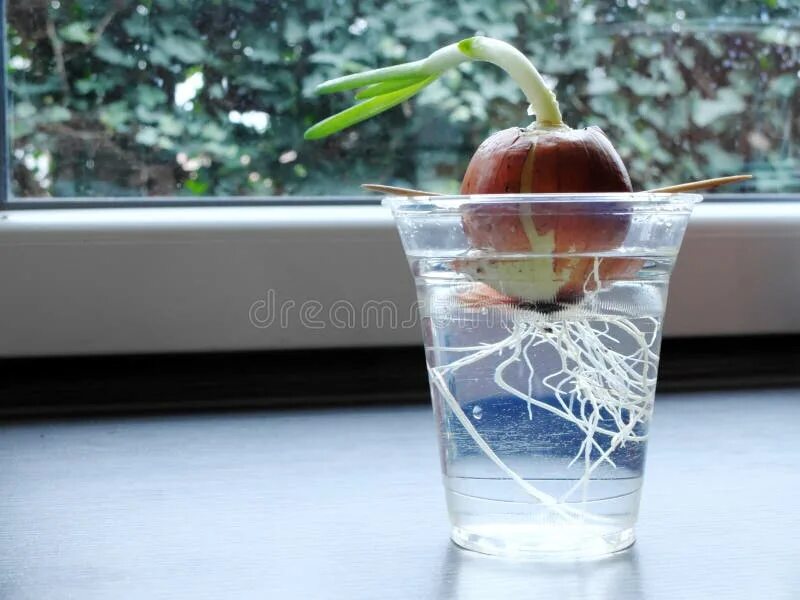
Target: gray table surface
(347,504)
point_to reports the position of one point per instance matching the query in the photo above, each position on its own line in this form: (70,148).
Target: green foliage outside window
(211,97)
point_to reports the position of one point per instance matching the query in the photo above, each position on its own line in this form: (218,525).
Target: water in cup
(543,408)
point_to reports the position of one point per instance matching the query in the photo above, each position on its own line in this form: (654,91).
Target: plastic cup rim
(640,201)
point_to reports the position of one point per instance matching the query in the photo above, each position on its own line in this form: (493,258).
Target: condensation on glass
(204,98)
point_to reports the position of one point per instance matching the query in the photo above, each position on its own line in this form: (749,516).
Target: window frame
(155,280)
(5,115)
(122,238)
(12,203)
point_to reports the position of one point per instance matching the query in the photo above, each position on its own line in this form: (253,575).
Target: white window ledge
(94,281)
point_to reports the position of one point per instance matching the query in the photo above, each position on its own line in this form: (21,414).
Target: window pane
(210,98)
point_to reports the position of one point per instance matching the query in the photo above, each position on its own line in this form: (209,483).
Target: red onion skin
(551,161)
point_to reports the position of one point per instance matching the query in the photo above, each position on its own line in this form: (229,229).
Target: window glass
(115,98)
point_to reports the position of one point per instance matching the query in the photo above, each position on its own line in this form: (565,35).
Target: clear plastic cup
(541,318)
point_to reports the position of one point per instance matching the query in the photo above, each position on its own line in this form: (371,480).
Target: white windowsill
(89,281)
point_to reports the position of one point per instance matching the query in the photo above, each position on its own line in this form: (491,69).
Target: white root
(563,510)
(602,387)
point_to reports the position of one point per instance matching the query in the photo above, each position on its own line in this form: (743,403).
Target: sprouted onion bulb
(548,157)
